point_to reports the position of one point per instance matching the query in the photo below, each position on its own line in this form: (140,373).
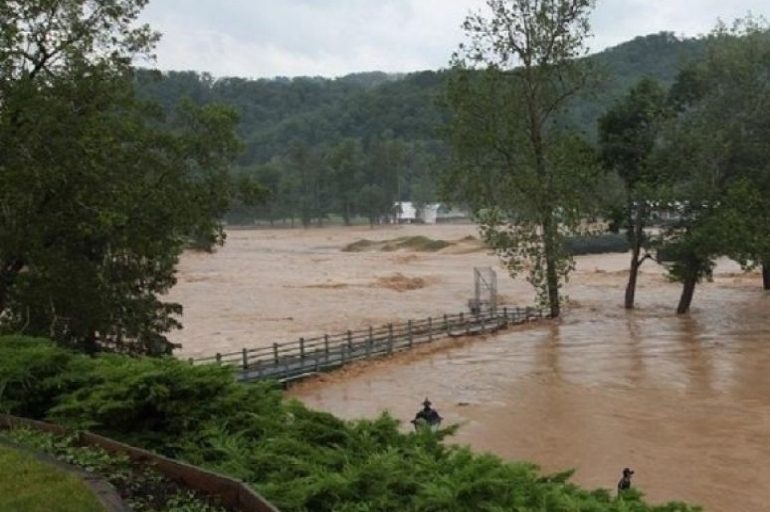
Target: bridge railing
(284,361)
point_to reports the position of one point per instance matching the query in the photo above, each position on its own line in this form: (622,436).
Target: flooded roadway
(684,401)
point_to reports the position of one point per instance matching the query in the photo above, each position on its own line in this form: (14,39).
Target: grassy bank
(141,486)
(28,485)
(300,459)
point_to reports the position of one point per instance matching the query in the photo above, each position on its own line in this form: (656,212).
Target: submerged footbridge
(286,362)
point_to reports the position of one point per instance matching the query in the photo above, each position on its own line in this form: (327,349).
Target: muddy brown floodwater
(684,401)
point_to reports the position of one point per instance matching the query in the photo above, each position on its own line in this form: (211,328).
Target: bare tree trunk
(550,225)
(636,247)
(632,278)
(551,275)
(766,274)
(688,290)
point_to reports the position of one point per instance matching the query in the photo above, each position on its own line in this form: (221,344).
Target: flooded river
(683,401)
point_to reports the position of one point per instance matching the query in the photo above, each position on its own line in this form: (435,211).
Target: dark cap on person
(427,402)
(628,471)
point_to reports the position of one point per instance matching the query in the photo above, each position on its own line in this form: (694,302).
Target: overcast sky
(267,38)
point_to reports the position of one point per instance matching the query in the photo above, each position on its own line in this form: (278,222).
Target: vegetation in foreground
(28,485)
(141,487)
(299,459)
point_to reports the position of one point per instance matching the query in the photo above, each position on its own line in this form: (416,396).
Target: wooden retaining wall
(298,359)
(235,494)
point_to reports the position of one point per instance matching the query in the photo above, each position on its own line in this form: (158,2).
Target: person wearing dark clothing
(427,416)
(625,482)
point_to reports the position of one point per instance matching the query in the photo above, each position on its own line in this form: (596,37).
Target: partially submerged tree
(99,194)
(717,155)
(738,73)
(519,169)
(627,135)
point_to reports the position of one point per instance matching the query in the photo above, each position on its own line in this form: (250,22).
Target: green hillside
(293,129)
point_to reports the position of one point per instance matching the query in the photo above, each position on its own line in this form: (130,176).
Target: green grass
(28,485)
(142,487)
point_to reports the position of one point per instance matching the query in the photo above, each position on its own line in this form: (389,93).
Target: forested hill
(301,123)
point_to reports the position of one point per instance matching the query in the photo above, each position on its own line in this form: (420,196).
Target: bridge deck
(298,360)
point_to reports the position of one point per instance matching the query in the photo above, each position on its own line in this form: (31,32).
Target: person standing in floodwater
(625,482)
(427,416)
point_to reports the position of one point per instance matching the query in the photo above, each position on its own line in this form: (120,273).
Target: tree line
(694,154)
(107,174)
(349,121)
(347,180)
(100,191)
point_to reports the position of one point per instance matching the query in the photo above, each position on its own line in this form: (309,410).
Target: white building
(429,213)
(408,213)
(405,212)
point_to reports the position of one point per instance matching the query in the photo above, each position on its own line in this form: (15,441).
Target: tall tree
(346,162)
(515,164)
(717,154)
(98,193)
(627,135)
(737,75)
(299,161)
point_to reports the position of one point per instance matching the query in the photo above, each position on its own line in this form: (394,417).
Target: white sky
(267,38)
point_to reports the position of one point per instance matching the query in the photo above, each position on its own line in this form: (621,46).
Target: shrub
(31,375)
(299,459)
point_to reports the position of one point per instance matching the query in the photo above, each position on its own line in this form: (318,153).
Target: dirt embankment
(418,243)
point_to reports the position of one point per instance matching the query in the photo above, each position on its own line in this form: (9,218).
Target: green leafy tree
(99,192)
(521,171)
(627,135)
(736,76)
(716,154)
(312,175)
(346,161)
